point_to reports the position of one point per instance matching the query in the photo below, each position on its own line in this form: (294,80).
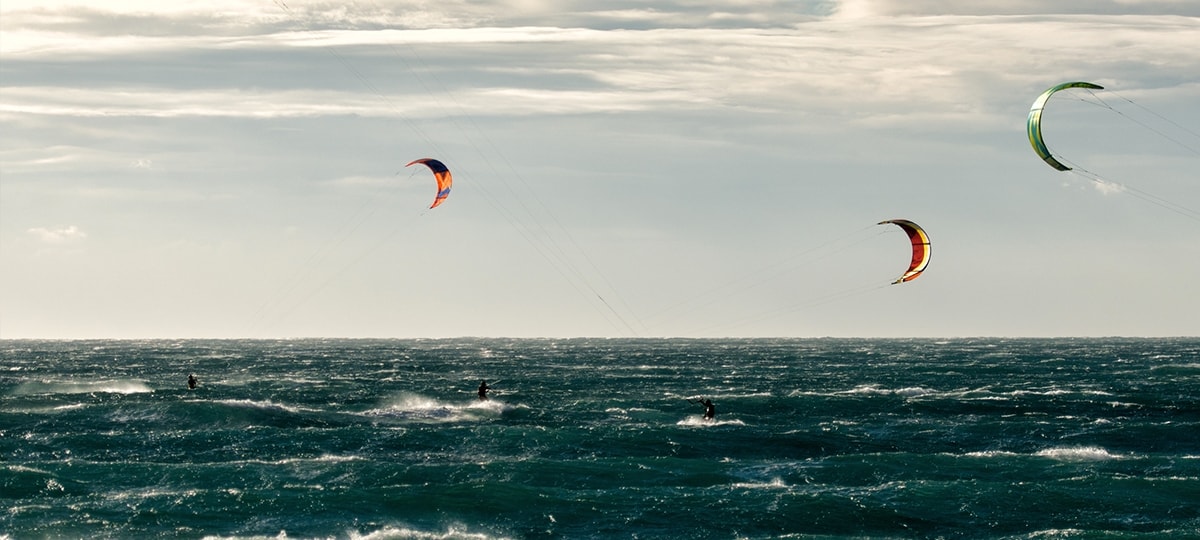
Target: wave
(48,409)
(1177,368)
(1078,453)
(323,459)
(1058,392)
(876,390)
(454,532)
(1058,534)
(775,483)
(422,408)
(1067,453)
(23,468)
(699,421)
(240,413)
(965,394)
(264,405)
(991,454)
(127,386)
(405,533)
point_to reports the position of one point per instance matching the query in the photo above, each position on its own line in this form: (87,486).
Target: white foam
(775,483)
(868,389)
(1078,453)
(129,386)
(490,405)
(1056,533)
(50,409)
(915,391)
(22,468)
(327,458)
(874,389)
(268,404)
(1180,367)
(418,407)
(404,533)
(699,421)
(991,454)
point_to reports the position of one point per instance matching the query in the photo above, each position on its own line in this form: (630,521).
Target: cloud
(167,103)
(863,8)
(32,25)
(1108,187)
(58,235)
(940,66)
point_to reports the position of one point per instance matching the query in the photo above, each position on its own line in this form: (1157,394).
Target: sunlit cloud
(861,8)
(943,66)
(167,103)
(57,235)
(1107,187)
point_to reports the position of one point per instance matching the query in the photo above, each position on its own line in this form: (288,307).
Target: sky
(237,168)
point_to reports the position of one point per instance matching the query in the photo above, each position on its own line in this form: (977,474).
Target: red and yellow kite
(920,248)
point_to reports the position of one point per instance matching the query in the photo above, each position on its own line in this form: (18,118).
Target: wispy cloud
(168,103)
(924,65)
(58,235)
(1015,7)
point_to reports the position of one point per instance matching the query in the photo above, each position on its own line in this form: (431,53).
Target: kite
(920,248)
(1034,125)
(441,174)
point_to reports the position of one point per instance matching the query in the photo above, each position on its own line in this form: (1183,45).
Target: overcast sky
(236,168)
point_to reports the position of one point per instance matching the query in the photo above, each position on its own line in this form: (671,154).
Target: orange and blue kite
(441,174)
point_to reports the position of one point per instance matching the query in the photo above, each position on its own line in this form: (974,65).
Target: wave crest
(127,386)
(1078,453)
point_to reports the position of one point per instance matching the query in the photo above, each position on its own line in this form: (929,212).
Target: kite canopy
(1034,125)
(920,248)
(441,174)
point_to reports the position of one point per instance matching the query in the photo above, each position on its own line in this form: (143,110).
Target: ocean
(601,438)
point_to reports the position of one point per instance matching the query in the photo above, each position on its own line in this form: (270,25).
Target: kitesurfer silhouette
(710,410)
(483,389)
(192,382)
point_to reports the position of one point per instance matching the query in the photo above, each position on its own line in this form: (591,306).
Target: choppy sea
(597,438)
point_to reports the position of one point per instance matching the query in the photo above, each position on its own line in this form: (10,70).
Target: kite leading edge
(920,248)
(441,174)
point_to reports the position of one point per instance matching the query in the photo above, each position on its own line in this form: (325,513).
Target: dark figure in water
(483,388)
(192,382)
(710,410)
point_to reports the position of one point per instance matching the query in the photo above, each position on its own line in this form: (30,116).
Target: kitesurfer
(483,389)
(192,382)
(710,410)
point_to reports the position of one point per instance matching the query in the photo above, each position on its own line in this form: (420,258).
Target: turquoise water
(837,438)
